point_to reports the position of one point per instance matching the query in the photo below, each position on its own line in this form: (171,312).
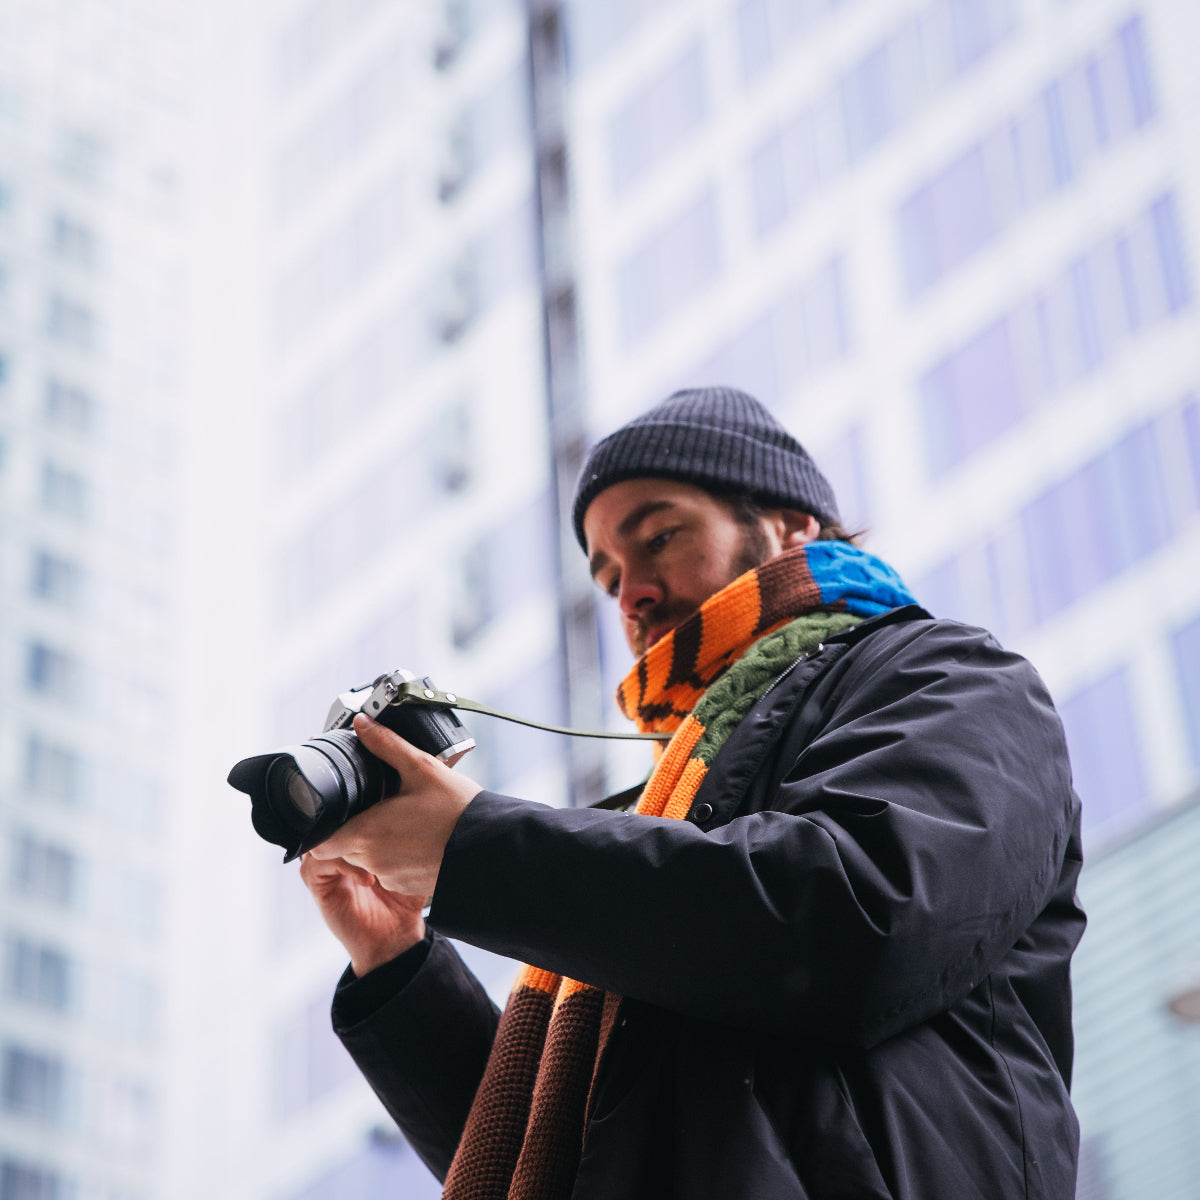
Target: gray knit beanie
(714,437)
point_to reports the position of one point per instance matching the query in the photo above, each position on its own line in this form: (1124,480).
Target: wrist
(366,958)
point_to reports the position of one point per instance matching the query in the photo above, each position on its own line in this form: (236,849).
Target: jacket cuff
(357,998)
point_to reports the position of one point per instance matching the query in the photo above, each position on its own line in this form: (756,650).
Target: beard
(753,550)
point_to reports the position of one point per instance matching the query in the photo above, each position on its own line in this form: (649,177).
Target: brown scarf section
(524,1135)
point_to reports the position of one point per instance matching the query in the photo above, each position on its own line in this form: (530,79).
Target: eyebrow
(599,560)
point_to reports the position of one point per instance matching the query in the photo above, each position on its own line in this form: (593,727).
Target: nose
(638,591)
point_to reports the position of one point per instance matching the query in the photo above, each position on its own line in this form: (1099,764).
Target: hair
(746,508)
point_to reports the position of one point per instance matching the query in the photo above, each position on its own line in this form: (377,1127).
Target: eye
(609,586)
(659,540)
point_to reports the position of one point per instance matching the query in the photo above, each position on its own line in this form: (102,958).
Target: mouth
(655,634)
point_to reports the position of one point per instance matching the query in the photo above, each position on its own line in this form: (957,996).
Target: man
(828,954)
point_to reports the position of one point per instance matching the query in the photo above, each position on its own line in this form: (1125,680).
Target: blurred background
(308,311)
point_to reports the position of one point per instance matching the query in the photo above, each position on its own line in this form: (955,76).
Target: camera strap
(420,693)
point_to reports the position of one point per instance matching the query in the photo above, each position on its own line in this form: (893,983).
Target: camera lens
(287,789)
(302,794)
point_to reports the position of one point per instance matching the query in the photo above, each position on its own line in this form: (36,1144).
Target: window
(73,240)
(65,493)
(57,580)
(44,871)
(802,332)
(309,1061)
(1191,442)
(1097,522)
(82,155)
(595,30)
(53,771)
(343,130)
(71,322)
(333,549)
(33,1085)
(504,255)
(126,900)
(309,38)
(870,102)
(55,673)
(342,259)
(656,120)
(1079,320)
(68,406)
(1106,759)
(1185,643)
(511,751)
(38,974)
(21,1181)
(386,1166)
(1038,152)
(678,260)
(453,446)
(124,1113)
(510,562)
(1088,528)
(844,463)
(765,28)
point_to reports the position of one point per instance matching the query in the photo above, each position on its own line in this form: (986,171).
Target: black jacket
(846,973)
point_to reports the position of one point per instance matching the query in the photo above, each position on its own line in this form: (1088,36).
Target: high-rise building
(954,244)
(93,351)
(406,494)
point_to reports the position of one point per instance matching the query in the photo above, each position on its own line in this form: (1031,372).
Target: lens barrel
(301,795)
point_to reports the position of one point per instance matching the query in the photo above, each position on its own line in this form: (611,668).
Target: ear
(796,528)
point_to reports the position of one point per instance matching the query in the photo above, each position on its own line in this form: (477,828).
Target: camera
(301,795)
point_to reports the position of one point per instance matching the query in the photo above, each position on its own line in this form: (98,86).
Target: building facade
(93,352)
(311,412)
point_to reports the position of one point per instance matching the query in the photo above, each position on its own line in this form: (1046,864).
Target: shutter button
(703,812)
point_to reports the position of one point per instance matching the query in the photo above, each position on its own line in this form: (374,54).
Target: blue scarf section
(865,585)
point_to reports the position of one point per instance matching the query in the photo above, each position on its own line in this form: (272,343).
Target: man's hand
(372,923)
(400,840)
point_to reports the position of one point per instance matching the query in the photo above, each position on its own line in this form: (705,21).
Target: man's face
(661,548)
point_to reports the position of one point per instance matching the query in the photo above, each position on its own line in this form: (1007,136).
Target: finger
(386,744)
(314,869)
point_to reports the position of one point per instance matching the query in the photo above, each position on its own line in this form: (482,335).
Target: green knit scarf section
(729,698)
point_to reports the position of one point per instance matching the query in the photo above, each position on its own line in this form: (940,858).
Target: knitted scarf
(524,1134)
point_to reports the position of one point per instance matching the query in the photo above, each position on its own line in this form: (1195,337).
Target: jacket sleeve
(912,835)
(424,1048)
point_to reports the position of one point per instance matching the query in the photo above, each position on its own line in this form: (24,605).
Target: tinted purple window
(380,1169)
(1176,288)
(669,268)
(971,397)
(1106,760)
(754,37)
(1191,433)
(768,185)
(1186,645)
(1143,517)
(1091,351)
(1044,526)
(1129,290)
(1060,152)
(1137,68)
(868,105)
(1095,90)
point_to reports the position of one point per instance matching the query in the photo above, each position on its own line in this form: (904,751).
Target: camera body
(301,795)
(393,701)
